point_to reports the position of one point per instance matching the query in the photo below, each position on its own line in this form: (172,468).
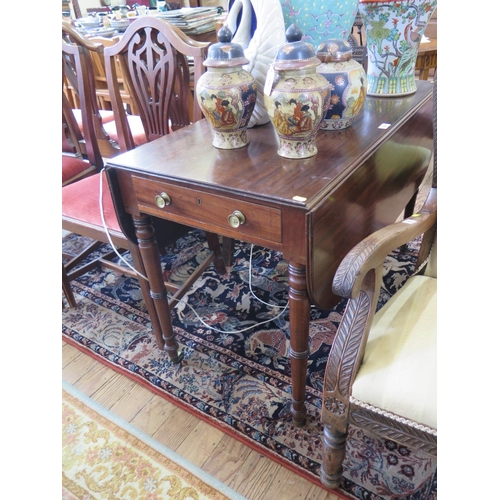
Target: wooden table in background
(426,59)
(312,210)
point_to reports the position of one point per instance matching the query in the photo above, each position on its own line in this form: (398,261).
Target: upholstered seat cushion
(74,168)
(106,117)
(399,369)
(109,125)
(105,114)
(80,202)
(136,128)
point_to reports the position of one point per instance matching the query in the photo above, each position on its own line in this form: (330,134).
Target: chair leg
(333,456)
(66,286)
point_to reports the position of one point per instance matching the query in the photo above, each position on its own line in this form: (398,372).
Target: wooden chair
(381,372)
(72,87)
(355,40)
(78,160)
(82,201)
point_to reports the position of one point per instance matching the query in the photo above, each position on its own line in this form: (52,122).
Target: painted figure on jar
(280,121)
(305,122)
(227,115)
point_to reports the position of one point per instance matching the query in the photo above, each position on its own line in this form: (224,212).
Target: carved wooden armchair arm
(371,253)
(359,278)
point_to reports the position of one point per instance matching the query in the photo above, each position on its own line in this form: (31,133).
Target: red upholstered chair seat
(109,126)
(80,202)
(136,127)
(74,168)
(106,117)
(105,114)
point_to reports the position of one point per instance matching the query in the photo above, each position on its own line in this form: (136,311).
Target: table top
(257,171)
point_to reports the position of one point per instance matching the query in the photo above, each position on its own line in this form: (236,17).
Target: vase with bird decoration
(394,30)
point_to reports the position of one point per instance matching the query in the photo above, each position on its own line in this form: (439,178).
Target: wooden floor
(243,469)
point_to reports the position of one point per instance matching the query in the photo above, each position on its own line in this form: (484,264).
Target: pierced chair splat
(152,56)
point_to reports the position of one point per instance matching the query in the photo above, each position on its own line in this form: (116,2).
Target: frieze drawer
(209,211)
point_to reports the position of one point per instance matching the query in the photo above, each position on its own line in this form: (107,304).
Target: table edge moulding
(312,210)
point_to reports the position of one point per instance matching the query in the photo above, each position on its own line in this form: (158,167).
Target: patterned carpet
(235,372)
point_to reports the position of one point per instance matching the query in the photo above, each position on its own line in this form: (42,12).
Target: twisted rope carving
(392,426)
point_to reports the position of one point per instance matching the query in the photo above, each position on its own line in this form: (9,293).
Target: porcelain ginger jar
(347,80)
(296,96)
(226,92)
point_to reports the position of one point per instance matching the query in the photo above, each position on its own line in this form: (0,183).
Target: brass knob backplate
(236,219)
(162,199)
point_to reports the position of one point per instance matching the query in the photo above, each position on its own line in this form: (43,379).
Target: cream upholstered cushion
(399,369)
(431,269)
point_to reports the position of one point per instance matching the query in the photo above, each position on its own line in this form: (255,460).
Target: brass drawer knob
(162,199)
(236,219)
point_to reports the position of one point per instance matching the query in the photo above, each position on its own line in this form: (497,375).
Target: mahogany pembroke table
(312,210)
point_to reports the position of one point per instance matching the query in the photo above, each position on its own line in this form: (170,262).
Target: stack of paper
(192,20)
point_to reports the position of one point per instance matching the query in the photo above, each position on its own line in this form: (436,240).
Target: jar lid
(295,54)
(334,50)
(224,53)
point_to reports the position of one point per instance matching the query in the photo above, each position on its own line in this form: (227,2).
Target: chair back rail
(71,130)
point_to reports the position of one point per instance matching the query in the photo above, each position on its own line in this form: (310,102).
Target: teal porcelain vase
(394,30)
(320,20)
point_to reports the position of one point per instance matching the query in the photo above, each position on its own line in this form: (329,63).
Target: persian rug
(235,373)
(105,457)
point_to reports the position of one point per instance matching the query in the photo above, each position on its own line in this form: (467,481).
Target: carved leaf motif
(346,345)
(396,431)
(333,365)
(357,325)
(349,268)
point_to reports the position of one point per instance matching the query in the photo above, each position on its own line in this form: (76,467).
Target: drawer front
(221,214)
